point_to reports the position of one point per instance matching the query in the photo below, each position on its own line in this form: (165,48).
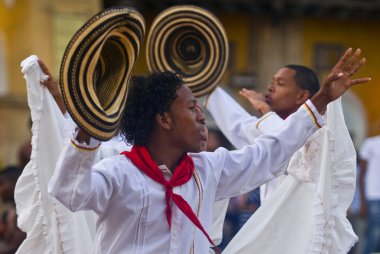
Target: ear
(164,120)
(302,97)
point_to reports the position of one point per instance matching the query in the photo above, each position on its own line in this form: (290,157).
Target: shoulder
(117,164)
(209,160)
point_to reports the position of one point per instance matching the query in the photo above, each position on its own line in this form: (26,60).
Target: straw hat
(96,68)
(191,41)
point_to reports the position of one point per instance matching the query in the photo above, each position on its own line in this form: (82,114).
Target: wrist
(320,101)
(55,95)
(264,108)
(83,136)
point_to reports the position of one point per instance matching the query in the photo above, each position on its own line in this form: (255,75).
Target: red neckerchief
(139,156)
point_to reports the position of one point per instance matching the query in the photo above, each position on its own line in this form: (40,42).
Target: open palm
(339,80)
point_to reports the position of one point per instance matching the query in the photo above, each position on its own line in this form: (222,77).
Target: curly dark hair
(147,97)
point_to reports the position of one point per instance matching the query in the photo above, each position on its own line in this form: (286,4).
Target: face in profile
(283,94)
(188,122)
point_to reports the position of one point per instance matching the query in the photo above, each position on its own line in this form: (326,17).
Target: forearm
(232,119)
(267,158)
(60,103)
(320,102)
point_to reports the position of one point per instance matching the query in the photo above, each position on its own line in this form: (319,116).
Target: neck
(164,154)
(283,115)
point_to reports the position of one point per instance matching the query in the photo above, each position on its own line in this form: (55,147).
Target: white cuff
(317,118)
(92,145)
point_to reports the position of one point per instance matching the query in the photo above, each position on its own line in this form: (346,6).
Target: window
(3,73)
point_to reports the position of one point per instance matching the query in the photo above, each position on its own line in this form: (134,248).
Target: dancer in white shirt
(139,210)
(312,174)
(291,87)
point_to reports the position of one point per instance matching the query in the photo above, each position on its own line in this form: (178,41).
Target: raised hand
(339,80)
(52,86)
(257,100)
(49,83)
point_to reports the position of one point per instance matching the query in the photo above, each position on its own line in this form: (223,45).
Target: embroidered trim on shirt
(200,197)
(312,115)
(87,149)
(200,189)
(263,119)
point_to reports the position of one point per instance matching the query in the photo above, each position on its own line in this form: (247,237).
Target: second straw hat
(96,68)
(189,40)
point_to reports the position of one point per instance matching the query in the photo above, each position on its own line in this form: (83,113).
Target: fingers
(333,77)
(249,93)
(357,66)
(359,81)
(344,59)
(352,61)
(44,69)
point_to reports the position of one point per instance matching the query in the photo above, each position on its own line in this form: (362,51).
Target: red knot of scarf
(139,156)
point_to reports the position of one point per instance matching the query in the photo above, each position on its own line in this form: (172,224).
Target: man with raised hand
(158,197)
(289,89)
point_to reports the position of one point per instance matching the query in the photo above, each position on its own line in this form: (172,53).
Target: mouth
(267,98)
(203,134)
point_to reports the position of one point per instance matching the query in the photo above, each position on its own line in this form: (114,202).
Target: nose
(270,87)
(200,115)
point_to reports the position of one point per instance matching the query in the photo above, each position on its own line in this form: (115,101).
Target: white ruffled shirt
(50,226)
(306,210)
(241,128)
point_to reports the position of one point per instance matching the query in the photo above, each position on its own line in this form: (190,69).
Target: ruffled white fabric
(50,227)
(307,213)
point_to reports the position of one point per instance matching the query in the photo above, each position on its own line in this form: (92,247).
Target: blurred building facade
(263,37)
(31,27)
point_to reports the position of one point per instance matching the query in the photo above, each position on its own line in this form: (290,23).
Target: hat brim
(191,41)
(96,68)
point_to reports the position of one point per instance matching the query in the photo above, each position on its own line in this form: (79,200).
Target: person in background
(11,235)
(290,88)
(369,182)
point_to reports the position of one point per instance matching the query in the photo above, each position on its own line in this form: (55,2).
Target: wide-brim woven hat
(189,40)
(96,68)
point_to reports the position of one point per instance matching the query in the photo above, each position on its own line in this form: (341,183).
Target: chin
(197,149)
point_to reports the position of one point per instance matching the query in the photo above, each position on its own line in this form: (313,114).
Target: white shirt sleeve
(84,187)
(268,123)
(239,127)
(243,170)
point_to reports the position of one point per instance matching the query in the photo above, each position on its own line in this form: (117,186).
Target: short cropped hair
(305,78)
(147,97)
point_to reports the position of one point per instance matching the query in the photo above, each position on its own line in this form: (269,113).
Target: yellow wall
(356,34)
(14,23)
(238,32)
(39,27)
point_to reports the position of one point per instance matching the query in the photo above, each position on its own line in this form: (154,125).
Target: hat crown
(189,40)
(97,66)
